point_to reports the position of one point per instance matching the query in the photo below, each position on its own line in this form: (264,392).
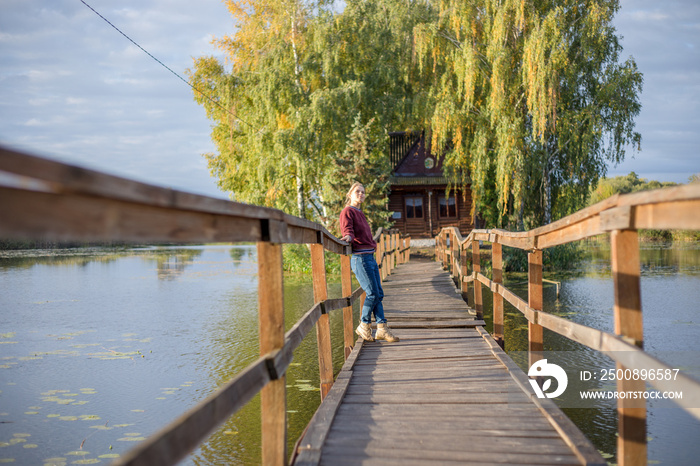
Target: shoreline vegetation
(297,258)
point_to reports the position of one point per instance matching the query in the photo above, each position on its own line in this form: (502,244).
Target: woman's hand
(346,238)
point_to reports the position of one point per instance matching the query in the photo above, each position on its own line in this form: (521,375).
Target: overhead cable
(161,63)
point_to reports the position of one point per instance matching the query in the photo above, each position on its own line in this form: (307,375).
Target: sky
(74,89)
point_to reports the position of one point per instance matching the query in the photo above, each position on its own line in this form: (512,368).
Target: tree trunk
(547,195)
(301,205)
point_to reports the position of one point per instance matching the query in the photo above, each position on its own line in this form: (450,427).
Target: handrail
(47,200)
(621,216)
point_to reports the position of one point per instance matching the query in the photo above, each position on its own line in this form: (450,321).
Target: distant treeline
(632,183)
(8,245)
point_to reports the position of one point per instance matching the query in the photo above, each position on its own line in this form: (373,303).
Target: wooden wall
(420,228)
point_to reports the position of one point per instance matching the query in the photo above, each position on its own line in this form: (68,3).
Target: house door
(415,214)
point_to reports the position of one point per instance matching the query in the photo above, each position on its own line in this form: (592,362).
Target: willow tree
(531,102)
(304,81)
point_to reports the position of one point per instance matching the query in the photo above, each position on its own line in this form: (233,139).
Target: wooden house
(418,199)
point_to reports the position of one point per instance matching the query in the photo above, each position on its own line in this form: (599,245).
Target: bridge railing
(46,200)
(620,216)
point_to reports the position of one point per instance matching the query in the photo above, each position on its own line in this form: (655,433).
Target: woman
(356,231)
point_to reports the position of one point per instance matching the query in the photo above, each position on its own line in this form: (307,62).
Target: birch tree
(255,105)
(303,81)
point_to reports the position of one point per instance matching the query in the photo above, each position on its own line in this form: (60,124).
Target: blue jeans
(365,268)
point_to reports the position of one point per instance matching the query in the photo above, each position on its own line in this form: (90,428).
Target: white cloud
(649,16)
(76,101)
(663,42)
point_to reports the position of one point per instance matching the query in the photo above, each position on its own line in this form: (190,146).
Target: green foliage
(531,101)
(630,183)
(363,160)
(300,75)
(681,236)
(296,258)
(527,102)
(514,260)
(565,257)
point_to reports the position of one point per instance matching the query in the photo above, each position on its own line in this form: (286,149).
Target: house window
(414,207)
(448,206)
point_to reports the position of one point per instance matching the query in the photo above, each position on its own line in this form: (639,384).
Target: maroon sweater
(354,223)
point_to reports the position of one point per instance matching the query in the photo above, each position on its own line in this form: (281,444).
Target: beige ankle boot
(364,331)
(384,333)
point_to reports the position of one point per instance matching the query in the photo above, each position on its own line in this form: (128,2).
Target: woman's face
(358,195)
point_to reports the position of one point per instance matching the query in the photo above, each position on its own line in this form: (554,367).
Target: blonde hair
(348,196)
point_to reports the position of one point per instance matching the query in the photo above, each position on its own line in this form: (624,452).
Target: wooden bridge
(445,391)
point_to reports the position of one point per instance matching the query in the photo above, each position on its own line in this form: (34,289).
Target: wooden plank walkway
(445,394)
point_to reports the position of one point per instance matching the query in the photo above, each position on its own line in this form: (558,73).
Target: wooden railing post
(346,285)
(399,244)
(497,267)
(273,404)
(445,247)
(323,327)
(453,260)
(534,293)
(464,262)
(437,247)
(624,251)
(392,248)
(476,267)
(390,257)
(381,260)
(407,252)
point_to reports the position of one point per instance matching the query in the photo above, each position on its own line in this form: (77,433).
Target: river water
(101,348)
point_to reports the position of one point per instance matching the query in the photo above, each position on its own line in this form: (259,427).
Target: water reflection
(234,343)
(171,263)
(100,349)
(99,346)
